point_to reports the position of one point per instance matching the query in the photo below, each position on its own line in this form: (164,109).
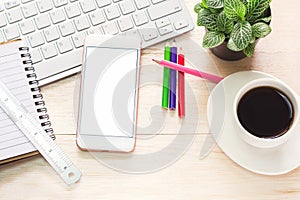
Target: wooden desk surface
(180,173)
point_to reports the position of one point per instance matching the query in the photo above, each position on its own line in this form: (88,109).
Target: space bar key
(58,64)
(163,9)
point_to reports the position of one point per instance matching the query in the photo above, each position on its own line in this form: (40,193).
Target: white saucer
(279,160)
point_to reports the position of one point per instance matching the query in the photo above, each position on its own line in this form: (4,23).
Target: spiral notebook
(17,73)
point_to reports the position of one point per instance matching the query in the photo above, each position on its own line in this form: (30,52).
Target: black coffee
(265,112)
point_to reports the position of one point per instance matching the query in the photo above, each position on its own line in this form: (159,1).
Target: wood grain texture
(185,176)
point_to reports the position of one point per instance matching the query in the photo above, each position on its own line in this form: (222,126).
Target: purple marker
(173,79)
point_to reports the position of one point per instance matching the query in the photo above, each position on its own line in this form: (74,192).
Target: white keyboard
(55,29)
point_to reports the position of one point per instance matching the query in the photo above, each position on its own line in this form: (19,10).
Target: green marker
(166,80)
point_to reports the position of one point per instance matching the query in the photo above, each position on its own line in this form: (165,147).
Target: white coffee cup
(274,141)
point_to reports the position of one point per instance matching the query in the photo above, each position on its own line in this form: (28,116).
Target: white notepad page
(12,73)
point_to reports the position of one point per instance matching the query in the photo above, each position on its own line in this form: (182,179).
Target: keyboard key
(66,28)
(49,51)
(102,3)
(140,18)
(87,5)
(156,1)
(57,16)
(42,21)
(1,6)
(149,33)
(11,3)
(58,64)
(81,23)
(78,39)
(97,17)
(44,5)
(26,27)
(112,12)
(51,34)
(11,32)
(26,1)
(125,23)
(110,28)
(36,39)
(58,3)
(162,22)
(163,9)
(29,10)
(181,24)
(14,16)
(1,37)
(94,30)
(165,30)
(127,7)
(64,45)
(72,10)
(2,20)
(132,33)
(140,4)
(35,56)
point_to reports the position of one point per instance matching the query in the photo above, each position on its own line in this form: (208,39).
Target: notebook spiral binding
(36,90)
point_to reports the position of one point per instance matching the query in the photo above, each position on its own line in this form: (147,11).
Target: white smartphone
(107,114)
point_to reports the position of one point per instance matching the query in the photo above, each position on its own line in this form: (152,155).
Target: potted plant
(233,26)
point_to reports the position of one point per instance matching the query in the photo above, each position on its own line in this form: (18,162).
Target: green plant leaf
(252,39)
(249,50)
(241,34)
(210,22)
(264,19)
(255,9)
(215,3)
(212,39)
(202,14)
(244,2)
(215,10)
(234,9)
(232,46)
(197,7)
(260,30)
(224,24)
(204,4)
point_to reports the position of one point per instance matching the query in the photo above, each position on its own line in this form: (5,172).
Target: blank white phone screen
(109,92)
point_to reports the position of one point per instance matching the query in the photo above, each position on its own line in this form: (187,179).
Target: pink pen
(194,72)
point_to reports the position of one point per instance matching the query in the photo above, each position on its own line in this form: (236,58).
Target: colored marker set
(169,90)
